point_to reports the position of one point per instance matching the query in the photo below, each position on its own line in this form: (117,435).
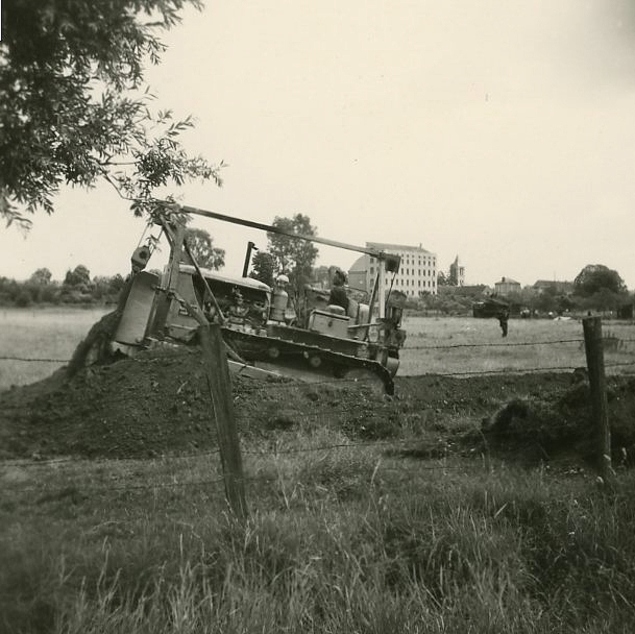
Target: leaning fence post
(219,386)
(597,381)
(218,381)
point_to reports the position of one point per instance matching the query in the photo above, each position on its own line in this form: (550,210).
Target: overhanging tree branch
(87,59)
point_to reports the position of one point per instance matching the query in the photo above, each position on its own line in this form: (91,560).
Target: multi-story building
(561,288)
(417,273)
(506,286)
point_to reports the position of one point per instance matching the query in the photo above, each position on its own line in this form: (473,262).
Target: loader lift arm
(391,260)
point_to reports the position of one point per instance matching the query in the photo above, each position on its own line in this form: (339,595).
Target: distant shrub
(24,298)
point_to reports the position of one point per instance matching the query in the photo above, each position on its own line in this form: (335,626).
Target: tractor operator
(338,296)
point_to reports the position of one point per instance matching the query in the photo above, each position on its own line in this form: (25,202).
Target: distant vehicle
(491,307)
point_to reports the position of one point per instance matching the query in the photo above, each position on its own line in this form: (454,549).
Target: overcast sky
(502,132)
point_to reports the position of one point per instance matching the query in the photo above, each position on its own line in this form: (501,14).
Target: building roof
(551,283)
(360,264)
(507,280)
(383,246)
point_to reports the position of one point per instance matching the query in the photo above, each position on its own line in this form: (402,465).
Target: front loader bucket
(138,310)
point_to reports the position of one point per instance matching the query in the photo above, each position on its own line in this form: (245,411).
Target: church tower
(457,273)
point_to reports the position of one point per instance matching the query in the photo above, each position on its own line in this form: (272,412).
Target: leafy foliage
(41,277)
(263,267)
(596,277)
(293,256)
(72,108)
(76,288)
(202,247)
(107,288)
(79,276)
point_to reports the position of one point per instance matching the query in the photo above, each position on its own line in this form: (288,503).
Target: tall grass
(346,541)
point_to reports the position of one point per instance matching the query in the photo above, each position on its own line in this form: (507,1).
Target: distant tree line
(76,288)
(596,288)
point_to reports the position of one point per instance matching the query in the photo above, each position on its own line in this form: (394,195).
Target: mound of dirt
(157,404)
(154,404)
(541,429)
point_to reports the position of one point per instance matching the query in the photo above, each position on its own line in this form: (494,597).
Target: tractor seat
(334,309)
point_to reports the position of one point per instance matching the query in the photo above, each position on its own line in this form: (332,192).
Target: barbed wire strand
(506,344)
(33,359)
(79,489)
(481,463)
(271,452)
(44,462)
(294,384)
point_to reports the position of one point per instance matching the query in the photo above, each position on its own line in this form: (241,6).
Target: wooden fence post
(217,373)
(218,381)
(597,381)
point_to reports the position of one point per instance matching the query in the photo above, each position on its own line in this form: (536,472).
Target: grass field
(44,333)
(346,539)
(465,345)
(433,345)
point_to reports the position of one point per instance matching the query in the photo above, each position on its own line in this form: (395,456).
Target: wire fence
(448,373)
(147,505)
(48,491)
(609,338)
(506,344)
(271,451)
(274,451)
(33,359)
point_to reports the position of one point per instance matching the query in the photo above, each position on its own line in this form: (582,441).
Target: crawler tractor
(261,335)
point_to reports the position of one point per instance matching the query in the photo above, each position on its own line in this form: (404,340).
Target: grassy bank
(347,540)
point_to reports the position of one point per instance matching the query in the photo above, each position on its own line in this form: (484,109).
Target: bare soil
(157,404)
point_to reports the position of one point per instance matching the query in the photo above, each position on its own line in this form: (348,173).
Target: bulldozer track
(313,358)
